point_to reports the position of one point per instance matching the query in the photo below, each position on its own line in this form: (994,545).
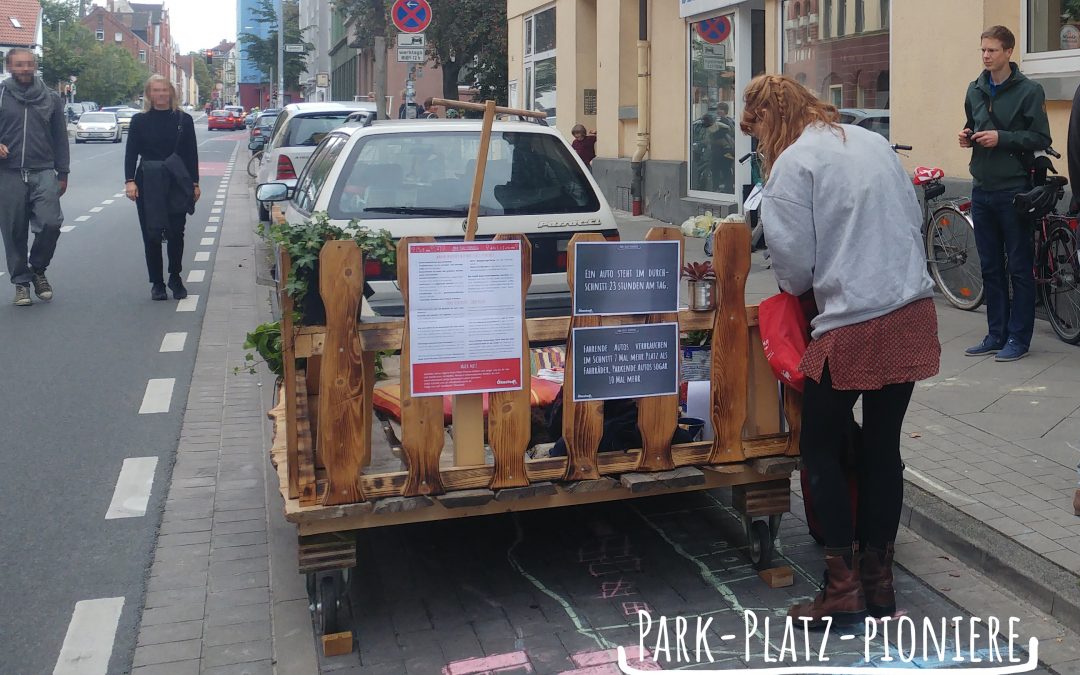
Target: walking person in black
(165,186)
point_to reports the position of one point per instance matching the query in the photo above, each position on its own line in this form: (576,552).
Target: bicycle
(1057,263)
(254,163)
(948,240)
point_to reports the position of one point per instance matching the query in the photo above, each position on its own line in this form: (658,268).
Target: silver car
(98,126)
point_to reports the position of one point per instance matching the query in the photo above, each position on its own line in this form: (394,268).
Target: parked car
(262,125)
(124,116)
(238,115)
(298,129)
(415,178)
(221,119)
(874,119)
(98,126)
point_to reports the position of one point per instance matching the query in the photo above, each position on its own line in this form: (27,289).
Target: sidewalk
(991,451)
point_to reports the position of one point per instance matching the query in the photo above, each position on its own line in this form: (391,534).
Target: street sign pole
(281,54)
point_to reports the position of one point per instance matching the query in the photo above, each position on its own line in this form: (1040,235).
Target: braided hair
(777,110)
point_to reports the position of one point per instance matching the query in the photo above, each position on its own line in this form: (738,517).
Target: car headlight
(81,128)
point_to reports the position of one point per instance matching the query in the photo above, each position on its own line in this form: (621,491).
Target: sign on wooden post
(583,422)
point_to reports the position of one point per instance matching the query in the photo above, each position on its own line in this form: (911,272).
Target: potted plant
(701,284)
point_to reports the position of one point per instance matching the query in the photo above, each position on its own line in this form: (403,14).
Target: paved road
(75,371)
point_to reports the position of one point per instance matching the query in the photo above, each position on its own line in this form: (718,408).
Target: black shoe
(177,287)
(157,292)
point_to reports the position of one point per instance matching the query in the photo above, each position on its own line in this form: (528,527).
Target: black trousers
(174,244)
(824,443)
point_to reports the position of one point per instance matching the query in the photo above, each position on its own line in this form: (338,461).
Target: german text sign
(626,361)
(465,317)
(626,277)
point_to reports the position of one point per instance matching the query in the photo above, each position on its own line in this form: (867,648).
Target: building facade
(899,67)
(142,30)
(315,81)
(254,87)
(20,26)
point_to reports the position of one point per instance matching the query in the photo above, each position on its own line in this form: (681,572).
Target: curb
(1045,584)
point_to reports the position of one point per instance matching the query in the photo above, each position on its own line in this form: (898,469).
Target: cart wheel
(326,604)
(311,578)
(761,544)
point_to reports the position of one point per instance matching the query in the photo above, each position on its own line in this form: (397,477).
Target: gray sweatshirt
(36,135)
(841,217)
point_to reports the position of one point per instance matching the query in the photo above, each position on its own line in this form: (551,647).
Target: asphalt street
(77,401)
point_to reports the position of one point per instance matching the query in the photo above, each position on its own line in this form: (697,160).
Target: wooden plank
(763,409)
(383,333)
(341,386)
(482,107)
(421,417)
(367,362)
(659,415)
(762,499)
(778,577)
(326,552)
(462,498)
(583,422)
(793,415)
(510,412)
(305,449)
(730,341)
(288,360)
(337,644)
(313,370)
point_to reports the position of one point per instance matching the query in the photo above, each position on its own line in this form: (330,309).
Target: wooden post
(730,342)
(468,409)
(659,415)
(288,360)
(421,417)
(583,422)
(510,412)
(763,412)
(341,385)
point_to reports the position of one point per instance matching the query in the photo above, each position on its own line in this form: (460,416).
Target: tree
(202,76)
(264,51)
(116,77)
(465,38)
(67,44)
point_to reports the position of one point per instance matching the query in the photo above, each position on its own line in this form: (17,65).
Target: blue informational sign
(411,16)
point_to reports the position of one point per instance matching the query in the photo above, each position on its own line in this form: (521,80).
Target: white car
(415,177)
(298,129)
(98,126)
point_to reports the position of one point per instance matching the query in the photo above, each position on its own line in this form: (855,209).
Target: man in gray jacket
(34,165)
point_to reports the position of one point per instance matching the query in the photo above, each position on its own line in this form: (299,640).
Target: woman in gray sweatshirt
(843,223)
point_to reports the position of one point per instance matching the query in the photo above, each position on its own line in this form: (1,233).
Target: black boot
(177,287)
(157,292)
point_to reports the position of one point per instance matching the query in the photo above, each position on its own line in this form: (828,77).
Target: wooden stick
(481,169)
(465,105)
(288,360)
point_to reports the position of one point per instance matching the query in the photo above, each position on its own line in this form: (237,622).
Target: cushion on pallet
(387,397)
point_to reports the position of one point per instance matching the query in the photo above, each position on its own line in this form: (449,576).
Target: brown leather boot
(842,595)
(875,569)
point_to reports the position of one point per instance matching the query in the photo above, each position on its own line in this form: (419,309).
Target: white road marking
(119,194)
(82,219)
(215,210)
(219,203)
(88,644)
(211,229)
(132,492)
(158,395)
(206,241)
(202,256)
(214,219)
(67,228)
(188,304)
(196,276)
(107,201)
(97,209)
(173,342)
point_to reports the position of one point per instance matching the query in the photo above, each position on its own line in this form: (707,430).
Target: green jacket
(1020,105)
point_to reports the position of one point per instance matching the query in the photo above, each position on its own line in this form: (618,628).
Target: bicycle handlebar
(897,147)
(1052,152)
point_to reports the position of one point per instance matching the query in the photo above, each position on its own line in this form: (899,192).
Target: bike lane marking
(88,644)
(133,487)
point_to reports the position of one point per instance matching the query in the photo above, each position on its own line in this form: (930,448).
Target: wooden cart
(337,477)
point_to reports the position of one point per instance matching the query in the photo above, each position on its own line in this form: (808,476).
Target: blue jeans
(1001,234)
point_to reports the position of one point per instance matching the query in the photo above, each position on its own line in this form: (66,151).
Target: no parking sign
(411,16)
(714,30)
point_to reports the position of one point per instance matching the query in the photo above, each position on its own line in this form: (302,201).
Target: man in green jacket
(1006,122)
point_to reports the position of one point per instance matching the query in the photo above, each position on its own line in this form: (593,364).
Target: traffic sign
(714,30)
(294,49)
(411,16)
(411,40)
(411,55)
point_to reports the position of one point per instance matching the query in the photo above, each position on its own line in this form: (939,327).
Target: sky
(198,24)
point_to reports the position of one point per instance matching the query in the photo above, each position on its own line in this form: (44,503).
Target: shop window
(712,107)
(1053,36)
(540,62)
(848,70)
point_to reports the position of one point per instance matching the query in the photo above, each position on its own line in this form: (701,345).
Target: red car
(221,119)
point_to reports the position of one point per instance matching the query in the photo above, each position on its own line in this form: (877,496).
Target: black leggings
(824,441)
(174,244)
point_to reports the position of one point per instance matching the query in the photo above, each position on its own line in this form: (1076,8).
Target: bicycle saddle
(925,174)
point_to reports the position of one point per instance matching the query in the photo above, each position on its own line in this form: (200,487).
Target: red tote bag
(785,333)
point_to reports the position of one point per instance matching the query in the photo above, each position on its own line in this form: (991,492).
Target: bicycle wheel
(1059,284)
(254,163)
(953,259)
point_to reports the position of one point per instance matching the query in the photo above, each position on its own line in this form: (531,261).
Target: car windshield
(126,113)
(310,129)
(403,175)
(97,118)
(266,121)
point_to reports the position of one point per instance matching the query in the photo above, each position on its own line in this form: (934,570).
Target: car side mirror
(256,144)
(272,192)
